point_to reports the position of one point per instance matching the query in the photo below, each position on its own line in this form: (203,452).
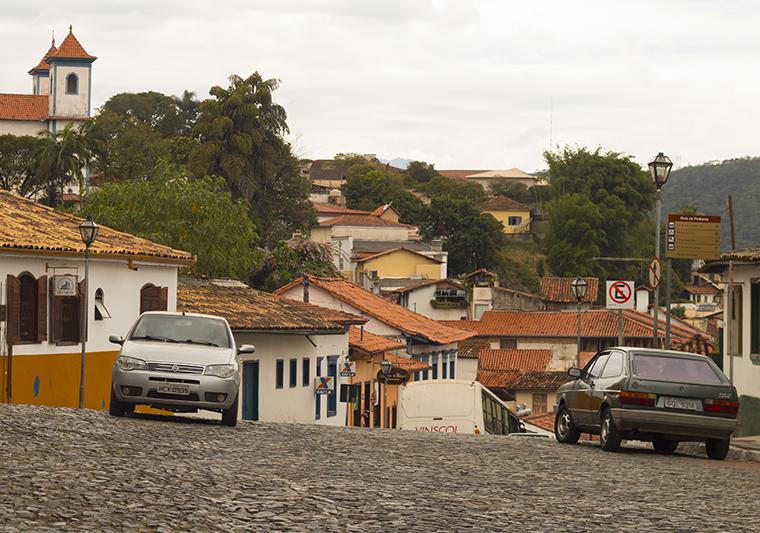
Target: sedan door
(584,390)
(609,378)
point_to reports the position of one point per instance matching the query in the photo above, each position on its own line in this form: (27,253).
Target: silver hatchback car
(180,362)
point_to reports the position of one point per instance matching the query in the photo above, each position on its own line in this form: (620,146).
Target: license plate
(173,388)
(681,403)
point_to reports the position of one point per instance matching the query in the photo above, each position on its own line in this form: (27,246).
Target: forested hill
(706,187)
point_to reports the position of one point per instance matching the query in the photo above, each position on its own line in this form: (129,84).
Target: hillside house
(515,217)
(557,293)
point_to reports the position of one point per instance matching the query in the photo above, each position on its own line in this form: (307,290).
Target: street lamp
(385,370)
(659,168)
(579,286)
(88,230)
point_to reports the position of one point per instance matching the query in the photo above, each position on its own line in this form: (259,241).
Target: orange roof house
(560,290)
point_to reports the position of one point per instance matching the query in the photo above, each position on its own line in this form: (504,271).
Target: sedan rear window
(678,369)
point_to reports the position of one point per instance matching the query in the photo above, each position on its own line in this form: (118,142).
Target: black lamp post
(385,369)
(579,286)
(659,168)
(88,230)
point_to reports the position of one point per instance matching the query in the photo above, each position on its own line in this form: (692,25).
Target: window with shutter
(153,298)
(42,303)
(66,321)
(27,310)
(12,297)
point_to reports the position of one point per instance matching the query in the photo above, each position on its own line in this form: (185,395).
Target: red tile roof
(370,343)
(360,220)
(514,359)
(23,107)
(560,289)
(333,315)
(700,289)
(471,349)
(503,203)
(407,363)
(403,319)
(42,65)
(426,283)
(332,209)
(522,380)
(71,49)
(564,324)
(361,258)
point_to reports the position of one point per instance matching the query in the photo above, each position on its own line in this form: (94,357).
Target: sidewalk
(742,449)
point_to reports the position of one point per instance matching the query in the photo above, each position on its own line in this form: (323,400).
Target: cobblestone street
(65,469)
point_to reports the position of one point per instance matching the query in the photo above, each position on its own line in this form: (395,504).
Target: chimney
(437,245)
(305,284)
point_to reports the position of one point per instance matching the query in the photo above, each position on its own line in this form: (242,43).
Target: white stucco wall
(121,295)
(294,404)
(22,127)
(419,302)
(74,105)
(372,233)
(41,83)
(746,374)
(467,369)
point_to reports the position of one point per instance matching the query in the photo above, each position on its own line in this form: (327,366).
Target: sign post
(620,297)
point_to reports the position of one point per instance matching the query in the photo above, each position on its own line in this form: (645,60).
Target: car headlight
(221,371)
(131,363)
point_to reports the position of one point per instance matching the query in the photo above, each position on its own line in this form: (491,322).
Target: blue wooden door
(250,390)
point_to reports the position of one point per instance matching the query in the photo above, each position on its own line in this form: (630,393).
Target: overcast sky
(462,84)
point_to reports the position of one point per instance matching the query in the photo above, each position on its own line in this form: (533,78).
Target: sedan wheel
(610,435)
(564,429)
(717,448)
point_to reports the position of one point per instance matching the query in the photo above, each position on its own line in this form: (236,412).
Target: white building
(61,92)
(41,275)
(295,345)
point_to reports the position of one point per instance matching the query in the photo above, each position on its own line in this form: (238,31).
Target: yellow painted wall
(503,217)
(57,378)
(402,264)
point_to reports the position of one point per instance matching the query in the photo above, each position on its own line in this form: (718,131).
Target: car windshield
(187,329)
(678,369)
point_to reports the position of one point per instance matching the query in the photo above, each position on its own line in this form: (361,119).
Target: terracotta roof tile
(27,225)
(370,343)
(384,310)
(42,65)
(361,258)
(361,220)
(471,349)
(564,324)
(71,49)
(522,380)
(514,359)
(328,169)
(503,203)
(332,209)
(543,420)
(333,315)
(248,309)
(560,289)
(23,107)
(407,363)
(700,289)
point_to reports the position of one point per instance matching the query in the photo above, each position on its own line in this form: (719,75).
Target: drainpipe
(305,284)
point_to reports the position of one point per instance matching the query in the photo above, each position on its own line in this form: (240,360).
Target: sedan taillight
(721,406)
(637,398)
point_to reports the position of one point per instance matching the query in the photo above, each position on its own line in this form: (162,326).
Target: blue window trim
(332,371)
(444,365)
(66,83)
(279,371)
(452,364)
(305,371)
(435,366)
(318,413)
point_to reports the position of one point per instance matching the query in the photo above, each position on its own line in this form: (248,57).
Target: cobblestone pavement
(64,469)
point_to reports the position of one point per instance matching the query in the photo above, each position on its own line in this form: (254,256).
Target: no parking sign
(620,295)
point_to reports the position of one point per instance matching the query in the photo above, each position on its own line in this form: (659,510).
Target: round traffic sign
(654,273)
(620,292)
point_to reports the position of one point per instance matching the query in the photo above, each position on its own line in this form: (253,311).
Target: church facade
(61,92)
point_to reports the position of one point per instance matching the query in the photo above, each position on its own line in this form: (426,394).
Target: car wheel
(665,445)
(564,429)
(717,448)
(609,435)
(230,416)
(117,408)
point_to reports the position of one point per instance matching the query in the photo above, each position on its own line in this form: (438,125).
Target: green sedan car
(664,397)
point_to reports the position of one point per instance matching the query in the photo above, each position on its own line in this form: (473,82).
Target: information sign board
(693,237)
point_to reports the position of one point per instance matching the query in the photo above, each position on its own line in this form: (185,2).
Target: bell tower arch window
(72,84)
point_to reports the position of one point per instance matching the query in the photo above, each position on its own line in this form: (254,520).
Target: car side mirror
(115,339)
(575,373)
(246,348)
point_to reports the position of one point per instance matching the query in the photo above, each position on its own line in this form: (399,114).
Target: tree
(369,185)
(421,172)
(472,239)
(288,260)
(61,157)
(240,131)
(17,165)
(196,215)
(613,197)
(160,112)
(440,186)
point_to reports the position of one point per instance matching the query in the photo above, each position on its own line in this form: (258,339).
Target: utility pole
(728,311)
(668,285)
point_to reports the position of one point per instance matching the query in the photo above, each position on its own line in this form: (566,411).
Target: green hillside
(707,188)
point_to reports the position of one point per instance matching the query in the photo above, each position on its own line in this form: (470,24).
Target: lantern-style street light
(385,369)
(579,286)
(88,230)
(659,168)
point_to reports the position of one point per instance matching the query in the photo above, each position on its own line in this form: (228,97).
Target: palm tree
(61,159)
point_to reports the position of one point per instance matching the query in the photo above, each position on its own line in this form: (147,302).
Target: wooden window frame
(13,309)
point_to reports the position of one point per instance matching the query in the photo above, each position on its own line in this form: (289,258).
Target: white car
(179,362)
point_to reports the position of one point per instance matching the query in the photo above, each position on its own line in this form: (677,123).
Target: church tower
(41,73)
(70,83)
